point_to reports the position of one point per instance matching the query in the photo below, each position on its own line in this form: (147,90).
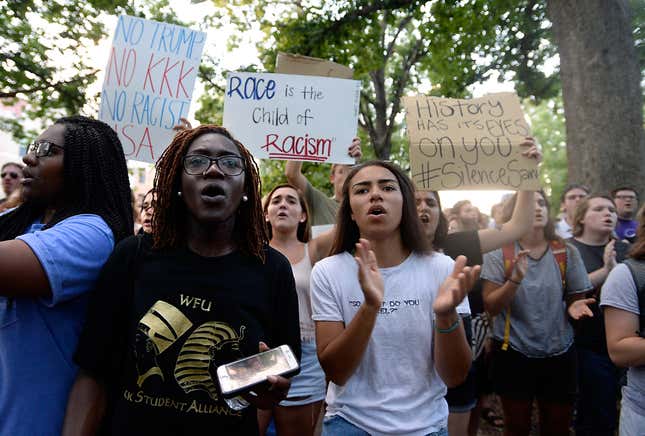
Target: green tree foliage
(394,46)
(45,54)
(36,64)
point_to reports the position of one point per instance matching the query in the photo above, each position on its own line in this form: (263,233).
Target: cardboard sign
(149,82)
(287,117)
(287,63)
(469,144)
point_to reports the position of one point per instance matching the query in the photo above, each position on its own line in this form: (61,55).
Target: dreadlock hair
(95,180)
(348,233)
(169,219)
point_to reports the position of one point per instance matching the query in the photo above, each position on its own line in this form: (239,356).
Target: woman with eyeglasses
(206,291)
(385,308)
(76,206)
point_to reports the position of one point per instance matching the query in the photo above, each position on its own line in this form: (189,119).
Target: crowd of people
(103,331)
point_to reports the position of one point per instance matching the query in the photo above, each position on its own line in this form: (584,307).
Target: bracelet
(452,328)
(513,281)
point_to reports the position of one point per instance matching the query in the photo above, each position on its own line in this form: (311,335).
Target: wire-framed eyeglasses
(230,165)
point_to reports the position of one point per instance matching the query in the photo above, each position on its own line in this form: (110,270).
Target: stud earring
(178,193)
(245,198)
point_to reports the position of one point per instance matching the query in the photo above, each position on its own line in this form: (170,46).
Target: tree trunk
(601,91)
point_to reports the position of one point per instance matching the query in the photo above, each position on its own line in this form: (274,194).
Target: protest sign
(289,117)
(149,82)
(469,144)
(287,63)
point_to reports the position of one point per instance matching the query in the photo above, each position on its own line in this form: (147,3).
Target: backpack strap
(559,249)
(637,268)
(508,254)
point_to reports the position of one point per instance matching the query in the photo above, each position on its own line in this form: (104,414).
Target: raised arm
(341,348)
(519,224)
(293,169)
(523,214)
(85,406)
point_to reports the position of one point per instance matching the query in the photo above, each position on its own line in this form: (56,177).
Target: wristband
(514,282)
(452,328)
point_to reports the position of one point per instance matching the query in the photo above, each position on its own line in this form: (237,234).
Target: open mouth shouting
(212,193)
(376,211)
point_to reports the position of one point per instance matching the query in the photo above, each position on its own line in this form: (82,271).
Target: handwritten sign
(469,144)
(287,63)
(288,117)
(148,84)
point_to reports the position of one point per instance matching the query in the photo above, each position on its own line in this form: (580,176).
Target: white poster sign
(290,117)
(149,82)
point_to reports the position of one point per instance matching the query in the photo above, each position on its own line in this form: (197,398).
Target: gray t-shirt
(539,322)
(620,291)
(322,208)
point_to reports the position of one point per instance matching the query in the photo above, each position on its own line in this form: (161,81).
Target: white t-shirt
(395,389)
(563,229)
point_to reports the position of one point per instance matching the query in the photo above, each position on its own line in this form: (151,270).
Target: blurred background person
(593,227)
(571,197)
(626,200)
(147,211)
(11,176)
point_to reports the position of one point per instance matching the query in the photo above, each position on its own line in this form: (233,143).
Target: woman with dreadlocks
(207,291)
(76,206)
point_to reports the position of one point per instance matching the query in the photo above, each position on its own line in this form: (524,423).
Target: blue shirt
(626,229)
(39,335)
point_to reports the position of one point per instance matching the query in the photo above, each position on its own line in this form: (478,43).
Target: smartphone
(244,374)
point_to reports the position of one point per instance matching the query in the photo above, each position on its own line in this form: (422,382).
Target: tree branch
(390,48)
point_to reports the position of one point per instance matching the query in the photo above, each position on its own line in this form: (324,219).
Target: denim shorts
(338,426)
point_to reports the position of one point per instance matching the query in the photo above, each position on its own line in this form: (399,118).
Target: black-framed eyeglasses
(11,174)
(230,165)
(42,148)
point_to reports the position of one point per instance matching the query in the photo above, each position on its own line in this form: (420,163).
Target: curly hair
(95,180)
(168,221)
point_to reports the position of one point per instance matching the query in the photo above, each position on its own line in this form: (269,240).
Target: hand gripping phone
(242,375)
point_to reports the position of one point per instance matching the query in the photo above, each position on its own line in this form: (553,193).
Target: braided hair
(95,182)
(169,219)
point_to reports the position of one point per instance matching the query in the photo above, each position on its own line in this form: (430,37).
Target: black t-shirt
(590,332)
(161,322)
(467,244)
